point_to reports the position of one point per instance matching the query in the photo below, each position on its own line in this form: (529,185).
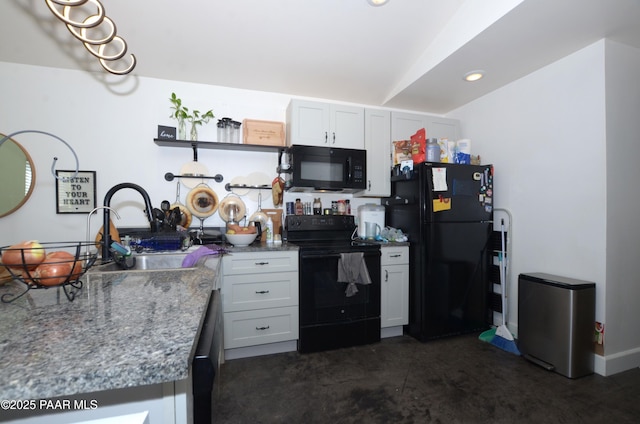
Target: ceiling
(408,54)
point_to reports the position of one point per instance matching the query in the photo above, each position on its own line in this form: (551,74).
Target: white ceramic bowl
(241,240)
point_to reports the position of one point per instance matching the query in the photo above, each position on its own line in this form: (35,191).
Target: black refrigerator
(447,212)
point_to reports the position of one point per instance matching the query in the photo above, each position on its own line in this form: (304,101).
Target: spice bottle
(299,207)
(317,206)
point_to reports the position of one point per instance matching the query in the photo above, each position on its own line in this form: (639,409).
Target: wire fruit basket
(48,264)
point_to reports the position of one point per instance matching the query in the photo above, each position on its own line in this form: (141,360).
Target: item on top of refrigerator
(419,146)
(401,151)
(444,152)
(433,150)
(463,151)
(451,151)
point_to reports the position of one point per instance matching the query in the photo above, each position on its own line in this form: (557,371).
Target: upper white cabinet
(324,124)
(404,125)
(377,141)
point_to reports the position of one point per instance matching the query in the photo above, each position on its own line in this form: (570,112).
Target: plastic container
(370,213)
(269,230)
(433,150)
(235,132)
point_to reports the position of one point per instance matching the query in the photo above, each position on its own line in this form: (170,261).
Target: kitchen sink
(146,262)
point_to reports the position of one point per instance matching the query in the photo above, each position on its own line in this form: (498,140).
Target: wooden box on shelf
(263,133)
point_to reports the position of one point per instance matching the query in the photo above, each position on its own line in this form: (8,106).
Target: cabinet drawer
(257,291)
(249,328)
(249,263)
(390,255)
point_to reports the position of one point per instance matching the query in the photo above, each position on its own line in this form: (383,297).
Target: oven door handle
(323,255)
(336,255)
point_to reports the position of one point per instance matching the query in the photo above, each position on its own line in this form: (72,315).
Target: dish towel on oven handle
(352,270)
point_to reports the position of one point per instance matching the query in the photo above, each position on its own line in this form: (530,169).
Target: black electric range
(334,313)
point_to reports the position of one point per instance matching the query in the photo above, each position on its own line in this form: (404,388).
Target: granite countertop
(123,329)
(262,247)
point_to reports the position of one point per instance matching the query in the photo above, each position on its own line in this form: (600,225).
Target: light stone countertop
(122,330)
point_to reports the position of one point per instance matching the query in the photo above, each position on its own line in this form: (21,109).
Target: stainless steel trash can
(556,322)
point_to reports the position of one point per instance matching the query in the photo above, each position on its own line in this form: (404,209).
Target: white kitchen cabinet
(394,301)
(325,124)
(259,302)
(404,125)
(377,142)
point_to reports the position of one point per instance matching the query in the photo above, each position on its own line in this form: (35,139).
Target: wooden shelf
(217,146)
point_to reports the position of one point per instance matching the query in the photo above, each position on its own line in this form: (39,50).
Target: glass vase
(194,132)
(182,130)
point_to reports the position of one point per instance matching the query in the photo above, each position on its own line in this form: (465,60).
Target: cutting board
(276,217)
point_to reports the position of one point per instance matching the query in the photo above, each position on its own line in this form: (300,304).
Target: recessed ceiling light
(473,75)
(377,2)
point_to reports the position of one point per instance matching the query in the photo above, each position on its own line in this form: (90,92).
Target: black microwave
(327,169)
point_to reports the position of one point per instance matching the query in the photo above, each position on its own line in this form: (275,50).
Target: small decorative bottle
(317,206)
(299,207)
(269,230)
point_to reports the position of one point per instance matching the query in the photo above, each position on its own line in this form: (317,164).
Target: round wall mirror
(18,176)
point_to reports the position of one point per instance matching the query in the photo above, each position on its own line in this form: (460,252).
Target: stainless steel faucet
(106,238)
(88,237)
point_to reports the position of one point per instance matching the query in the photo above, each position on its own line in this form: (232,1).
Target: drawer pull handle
(262,328)
(395,256)
(262,291)
(386,275)
(262,263)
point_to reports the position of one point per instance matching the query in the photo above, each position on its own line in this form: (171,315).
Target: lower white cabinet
(259,298)
(394,301)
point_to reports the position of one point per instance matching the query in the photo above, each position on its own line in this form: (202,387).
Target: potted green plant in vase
(181,114)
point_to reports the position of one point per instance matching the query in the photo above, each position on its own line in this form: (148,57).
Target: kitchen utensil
(185,214)
(202,201)
(194,168)
(259,215)
(240,210)
(258,179)
(241,185)
(276,217)
(277,190)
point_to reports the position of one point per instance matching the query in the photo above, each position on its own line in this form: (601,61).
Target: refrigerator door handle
(393,201)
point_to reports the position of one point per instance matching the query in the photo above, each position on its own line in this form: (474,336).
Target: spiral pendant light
(96,31)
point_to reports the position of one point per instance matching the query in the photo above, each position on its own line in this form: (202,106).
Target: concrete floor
(400,380)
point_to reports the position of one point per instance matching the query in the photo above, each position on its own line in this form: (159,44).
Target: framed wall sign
(75,194)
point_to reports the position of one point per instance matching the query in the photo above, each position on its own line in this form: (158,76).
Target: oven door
(323,298)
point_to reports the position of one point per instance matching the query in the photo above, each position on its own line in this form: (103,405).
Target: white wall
(565,144)
(545,134)
(622,338)
(112,134)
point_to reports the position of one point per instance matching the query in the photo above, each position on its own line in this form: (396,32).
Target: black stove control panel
(295,223)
